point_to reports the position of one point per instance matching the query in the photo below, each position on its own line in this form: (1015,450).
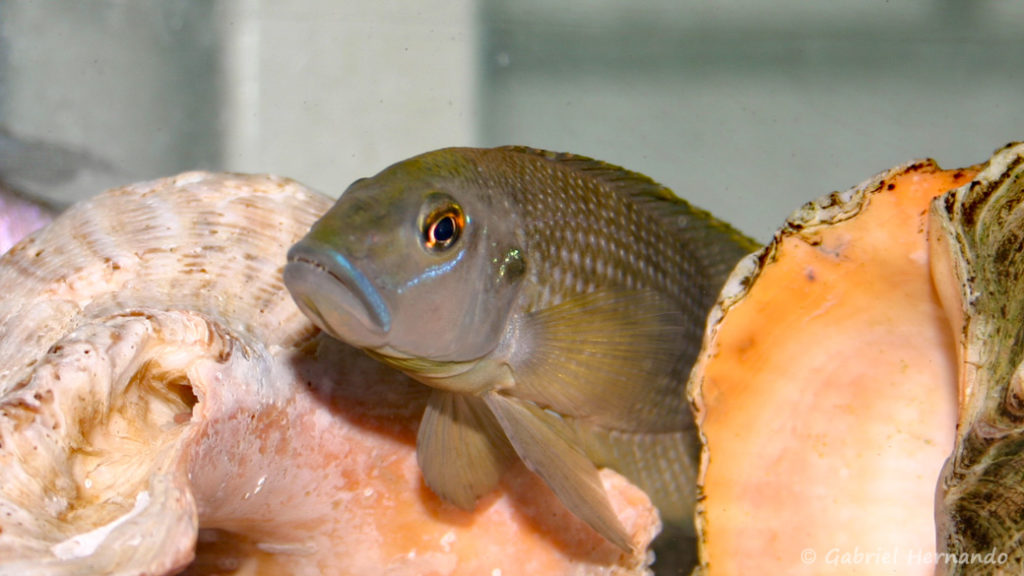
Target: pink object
(19,218)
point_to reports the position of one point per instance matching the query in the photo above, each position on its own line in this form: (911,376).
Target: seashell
(859,392)
(164,406)
(977,238)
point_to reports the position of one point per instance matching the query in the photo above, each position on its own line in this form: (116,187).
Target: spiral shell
(164,406)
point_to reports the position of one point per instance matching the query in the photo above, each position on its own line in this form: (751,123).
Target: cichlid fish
(554,303)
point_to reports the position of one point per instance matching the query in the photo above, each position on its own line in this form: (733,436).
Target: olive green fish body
(602,240)
(553,302)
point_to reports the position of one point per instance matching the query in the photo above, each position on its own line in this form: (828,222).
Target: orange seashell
(827,389)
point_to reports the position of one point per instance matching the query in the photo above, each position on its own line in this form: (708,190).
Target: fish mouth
(336,295)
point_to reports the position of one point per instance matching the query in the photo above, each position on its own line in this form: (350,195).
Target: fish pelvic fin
(460,448)
(611,357)
(548,447)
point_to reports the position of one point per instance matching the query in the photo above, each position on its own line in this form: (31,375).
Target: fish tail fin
(664,465)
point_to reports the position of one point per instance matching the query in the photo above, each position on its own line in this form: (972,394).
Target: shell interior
(826,390)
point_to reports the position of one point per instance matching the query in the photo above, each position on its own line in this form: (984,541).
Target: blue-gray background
(746,107)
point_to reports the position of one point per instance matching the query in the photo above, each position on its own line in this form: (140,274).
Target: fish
(553,303)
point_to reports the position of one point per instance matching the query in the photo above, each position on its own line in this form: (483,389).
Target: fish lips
(336,295)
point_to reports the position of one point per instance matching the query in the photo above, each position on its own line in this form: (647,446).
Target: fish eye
(442,227)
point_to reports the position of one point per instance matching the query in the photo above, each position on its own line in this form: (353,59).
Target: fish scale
(587,251)
(583,255)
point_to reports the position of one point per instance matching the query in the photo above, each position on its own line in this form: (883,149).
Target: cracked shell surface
(165,408)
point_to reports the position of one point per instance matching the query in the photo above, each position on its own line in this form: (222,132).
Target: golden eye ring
(442,228)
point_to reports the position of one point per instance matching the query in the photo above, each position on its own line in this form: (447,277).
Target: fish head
(420,260)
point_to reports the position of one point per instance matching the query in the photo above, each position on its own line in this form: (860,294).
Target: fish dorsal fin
(632,183)
(716,243)
(460,448)
(548,447)
(610,357)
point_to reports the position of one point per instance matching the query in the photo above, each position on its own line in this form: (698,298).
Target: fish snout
(336,295)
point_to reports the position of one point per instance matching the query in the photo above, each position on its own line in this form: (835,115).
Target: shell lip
(336,295)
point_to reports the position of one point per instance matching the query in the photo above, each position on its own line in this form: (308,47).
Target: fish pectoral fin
(547,446)
(612,357)
(461,448)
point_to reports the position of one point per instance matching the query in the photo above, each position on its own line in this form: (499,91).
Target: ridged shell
(978,265)
(164,404)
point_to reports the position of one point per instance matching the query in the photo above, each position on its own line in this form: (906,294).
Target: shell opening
(148,416)
(95,434)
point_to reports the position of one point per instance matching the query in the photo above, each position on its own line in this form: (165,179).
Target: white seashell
(164,404)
